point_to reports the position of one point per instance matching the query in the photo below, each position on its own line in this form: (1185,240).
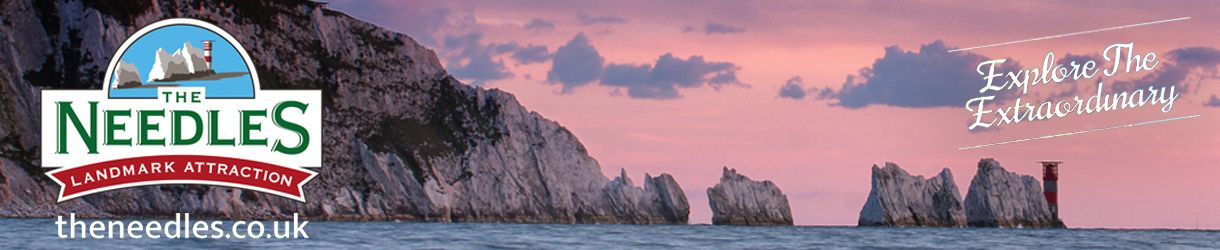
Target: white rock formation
(900,199)
(670,197)
(126,76)
(737,200)
(660,196)
(166,65)
(998,198)
(193,57)
(184,62)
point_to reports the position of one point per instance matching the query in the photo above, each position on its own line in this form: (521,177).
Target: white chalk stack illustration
(185,63)
(126,76)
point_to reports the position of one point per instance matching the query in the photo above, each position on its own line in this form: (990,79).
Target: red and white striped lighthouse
(1050,186)
(207,52)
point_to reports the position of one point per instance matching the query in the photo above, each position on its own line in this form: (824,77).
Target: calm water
(41,233)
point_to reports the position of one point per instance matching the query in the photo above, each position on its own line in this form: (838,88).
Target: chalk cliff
(738,200)
(901,199)
(402,139)
(999,198)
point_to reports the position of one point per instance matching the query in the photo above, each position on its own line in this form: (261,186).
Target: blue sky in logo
(225,60)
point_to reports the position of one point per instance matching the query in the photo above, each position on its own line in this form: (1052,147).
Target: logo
(181,104)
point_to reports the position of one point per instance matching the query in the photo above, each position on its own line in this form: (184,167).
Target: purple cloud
(1212,102)
(1179,65)
(670,73)
(929,78)
(794,89)
(578,63)
(719,28)
(538,24)
(476,61)
(575,64)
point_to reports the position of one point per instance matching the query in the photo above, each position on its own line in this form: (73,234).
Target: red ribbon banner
(181,169)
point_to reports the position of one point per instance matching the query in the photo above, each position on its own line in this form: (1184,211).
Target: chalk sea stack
(738,200)
(901,199)
(998,198)
(401,139)
(661,195)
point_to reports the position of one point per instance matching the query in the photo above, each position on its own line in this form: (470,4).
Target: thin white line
(1074,33)
(1080,132)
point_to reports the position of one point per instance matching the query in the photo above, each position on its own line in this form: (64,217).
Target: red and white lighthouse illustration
(207,52)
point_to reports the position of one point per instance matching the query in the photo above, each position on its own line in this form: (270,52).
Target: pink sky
(1158,176)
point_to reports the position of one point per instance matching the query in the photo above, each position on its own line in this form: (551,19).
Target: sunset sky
(687,87)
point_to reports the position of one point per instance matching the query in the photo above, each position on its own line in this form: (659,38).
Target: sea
(41,234)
